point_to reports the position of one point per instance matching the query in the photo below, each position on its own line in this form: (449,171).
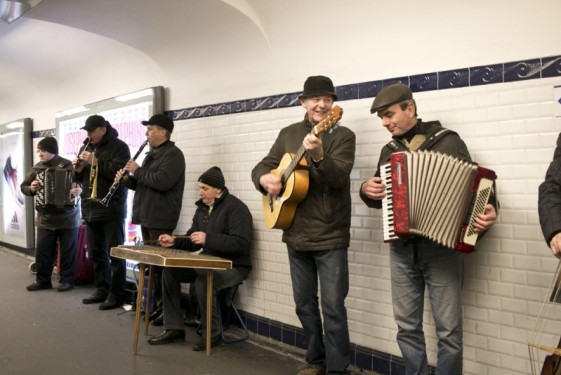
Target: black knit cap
(213,177)
(318,86)
(48,144)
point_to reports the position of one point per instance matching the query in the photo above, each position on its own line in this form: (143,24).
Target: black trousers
(153,234)
(109,272)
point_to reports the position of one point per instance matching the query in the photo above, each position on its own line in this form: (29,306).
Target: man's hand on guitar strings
(271,183)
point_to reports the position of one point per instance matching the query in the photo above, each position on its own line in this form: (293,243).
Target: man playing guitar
(317,230)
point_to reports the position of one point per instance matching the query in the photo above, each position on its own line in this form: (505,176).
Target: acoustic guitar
(293,171)
(552,364)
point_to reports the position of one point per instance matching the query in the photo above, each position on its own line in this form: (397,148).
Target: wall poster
(17,209)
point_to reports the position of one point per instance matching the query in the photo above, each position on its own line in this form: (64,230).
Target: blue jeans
(46,254)
(414,266)
(328,345)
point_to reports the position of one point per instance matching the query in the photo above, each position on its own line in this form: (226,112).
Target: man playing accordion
(55,221)
(417,261)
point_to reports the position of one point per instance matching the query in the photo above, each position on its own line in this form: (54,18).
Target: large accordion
(56,183)
(435,196)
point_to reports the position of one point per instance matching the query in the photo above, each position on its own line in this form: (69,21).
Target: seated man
(221,227)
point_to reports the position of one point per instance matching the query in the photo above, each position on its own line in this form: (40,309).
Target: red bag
(84,263)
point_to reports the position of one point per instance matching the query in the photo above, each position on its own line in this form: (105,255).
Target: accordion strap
(426,145)
(412,240)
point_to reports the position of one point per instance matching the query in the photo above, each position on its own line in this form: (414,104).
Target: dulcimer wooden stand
(545,344)
(149,256)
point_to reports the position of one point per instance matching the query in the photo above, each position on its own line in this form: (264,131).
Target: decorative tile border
(43,133)
(536,68)
(361,357)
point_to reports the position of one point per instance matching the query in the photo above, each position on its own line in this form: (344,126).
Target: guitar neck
(297,157)
(332,117)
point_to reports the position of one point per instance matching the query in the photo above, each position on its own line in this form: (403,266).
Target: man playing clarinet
(158,186)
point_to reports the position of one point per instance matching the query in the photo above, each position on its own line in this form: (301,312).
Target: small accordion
(435,196)
(56,183)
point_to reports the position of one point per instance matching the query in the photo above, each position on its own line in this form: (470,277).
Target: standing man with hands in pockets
(319,235)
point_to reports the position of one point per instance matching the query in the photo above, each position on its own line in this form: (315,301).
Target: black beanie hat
(48,144)
(213,177)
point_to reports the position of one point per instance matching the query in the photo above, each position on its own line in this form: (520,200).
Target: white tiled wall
(508,127)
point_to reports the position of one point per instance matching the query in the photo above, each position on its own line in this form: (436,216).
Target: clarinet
(117,183)
(86,145)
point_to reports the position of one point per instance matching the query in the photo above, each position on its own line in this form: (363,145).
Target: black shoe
(169,335)
(112,302)
(159,321)
(155,314)
(201,344)
(97,297)
(192,321)
(65,287)
(39,286)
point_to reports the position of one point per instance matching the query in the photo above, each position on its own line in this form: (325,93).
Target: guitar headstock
(331,119)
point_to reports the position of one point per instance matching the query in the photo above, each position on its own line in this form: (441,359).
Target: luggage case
(84,263)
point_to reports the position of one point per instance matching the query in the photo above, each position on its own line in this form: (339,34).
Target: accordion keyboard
(387,206)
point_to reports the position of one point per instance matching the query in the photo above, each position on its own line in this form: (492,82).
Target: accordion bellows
(56,183)
(435,196)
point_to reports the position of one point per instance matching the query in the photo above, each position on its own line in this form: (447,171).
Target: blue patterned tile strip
(544,67)
(361,357)
(43,133)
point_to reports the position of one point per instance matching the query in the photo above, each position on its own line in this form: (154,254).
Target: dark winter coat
(438,139)
(50,216)
(549,201)
(228,230)
(112,154)
(158,186)
(323,218)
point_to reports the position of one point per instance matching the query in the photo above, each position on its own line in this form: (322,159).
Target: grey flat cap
(389,95)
